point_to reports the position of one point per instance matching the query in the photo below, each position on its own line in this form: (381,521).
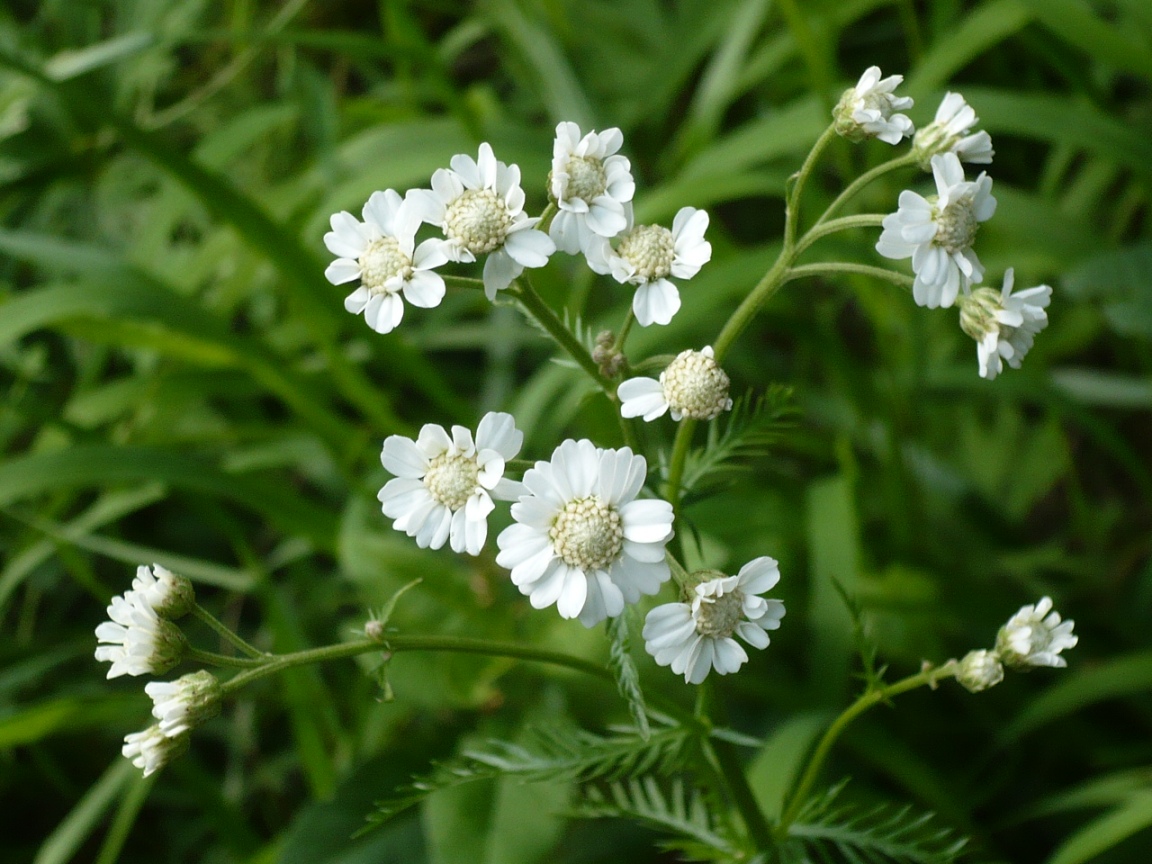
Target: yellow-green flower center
(588,534)
(695,386)
(478,220)
(381,261)
(649,249)
(451,479)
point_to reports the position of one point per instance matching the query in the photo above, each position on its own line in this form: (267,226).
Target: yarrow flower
(185,703)
(949,133)
(151,749)
(693,385)
(868,110)
(646,255)
(695,636)
(444,485)
(169,595)
(479,206)
(381,252)
(1004,324)
(979,670)
(937,233)
(1035,636)
(582,540)
(590,184)
(137,641)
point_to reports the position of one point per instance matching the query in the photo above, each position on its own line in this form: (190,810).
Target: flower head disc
(693,385)
(869,110)
(1004,324)
(582,540)
(591,184)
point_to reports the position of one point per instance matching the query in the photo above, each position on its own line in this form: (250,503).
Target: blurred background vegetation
(181,385)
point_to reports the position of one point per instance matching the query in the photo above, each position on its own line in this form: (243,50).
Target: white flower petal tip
(1004,324)
(591,185)
(381,253)
(479,205)
(151,749)
(693,385)
(136,640)
(869,110)
(445,484)
(582,541)
(1035,636)
(169,595)
(695,636)
(185,703)
(951,132)
(937,233)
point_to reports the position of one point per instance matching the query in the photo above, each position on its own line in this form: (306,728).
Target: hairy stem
(831,268)
(211,658)
(864,220)
(535,306)
(820,754)
(225,632)
(853,188)
(395,644)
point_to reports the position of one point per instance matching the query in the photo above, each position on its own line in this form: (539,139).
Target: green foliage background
(181,385)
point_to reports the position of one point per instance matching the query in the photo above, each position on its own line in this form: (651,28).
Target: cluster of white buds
(140,639)
(1034,636)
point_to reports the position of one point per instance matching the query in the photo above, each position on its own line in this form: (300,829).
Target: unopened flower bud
(606,355)
(979,670)
(169,595)
(374,630)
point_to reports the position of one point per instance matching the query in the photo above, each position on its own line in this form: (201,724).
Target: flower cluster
(1034,636)
(477,205)
(140,639)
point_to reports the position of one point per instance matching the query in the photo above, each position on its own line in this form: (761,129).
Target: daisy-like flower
(582,540)
(646,255)
(381,252)
(445,484)
(937,232)
(868,110)
(693,385)
(591,184)
(949,133)
(151,749)
(1035,636)
(169,595)
(137,641)
(1004,324)
(479,206)
(185,703)
(695,636)
(979,670)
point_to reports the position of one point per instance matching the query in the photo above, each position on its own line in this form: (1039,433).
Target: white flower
(381,253)
(581,540)
(590,184)
(479,206)
(444,484)
(937,232)
(646,255)
(979,670)
(695,637)
(693,385)
(948,133)
(1035,636)
(1004,324)
(185,703)
(169,595)
(137,641)
(868,109)
(151,749)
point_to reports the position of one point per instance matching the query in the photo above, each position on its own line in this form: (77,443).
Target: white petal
(530,248)
(656,303)
(342,270)
(499,271)
(497,431)
(424,290)
(401,456)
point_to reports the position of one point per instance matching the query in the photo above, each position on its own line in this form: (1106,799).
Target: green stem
(213,659)
(535,306)
(625,328)
(679,458)
(733,773)
(829,268)
(845,223)
(394,644)
(866,701)
(863,180)
(792,199)
(225,632)
(464,282)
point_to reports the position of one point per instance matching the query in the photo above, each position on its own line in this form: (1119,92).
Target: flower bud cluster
(1034,636)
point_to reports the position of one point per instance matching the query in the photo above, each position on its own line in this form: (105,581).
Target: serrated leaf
(627,677)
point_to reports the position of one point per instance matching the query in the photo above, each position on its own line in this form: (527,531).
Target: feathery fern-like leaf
(551,753)
(627,676)
(747,432)
(837,833)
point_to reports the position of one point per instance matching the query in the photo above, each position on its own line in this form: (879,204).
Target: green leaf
(830,831)
(1110,679)
(1105,832)
(778,763)
(74,63)
(1118,280)
(1079,24)
(67,838)
(624,668)
(100,464)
